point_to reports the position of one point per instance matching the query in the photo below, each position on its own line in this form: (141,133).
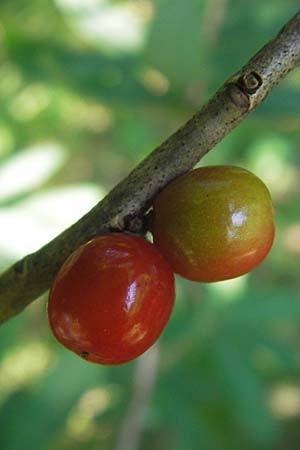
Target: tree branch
(124,207)
(146,371)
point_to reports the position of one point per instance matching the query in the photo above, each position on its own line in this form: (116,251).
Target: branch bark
(123,208)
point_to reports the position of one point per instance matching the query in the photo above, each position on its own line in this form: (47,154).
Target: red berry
(112,298)
(214,223)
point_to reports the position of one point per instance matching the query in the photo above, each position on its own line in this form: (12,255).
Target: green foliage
(87,89)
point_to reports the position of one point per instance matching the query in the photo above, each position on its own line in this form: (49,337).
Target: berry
(112,298)
(214,223)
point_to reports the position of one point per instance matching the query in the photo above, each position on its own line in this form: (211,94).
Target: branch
(146,371)
(124,207)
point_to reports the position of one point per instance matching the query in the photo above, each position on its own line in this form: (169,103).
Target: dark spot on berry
(85,354)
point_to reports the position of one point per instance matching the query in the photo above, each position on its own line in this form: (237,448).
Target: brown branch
(127,202)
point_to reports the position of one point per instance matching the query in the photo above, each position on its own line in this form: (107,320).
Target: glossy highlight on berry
(112,298)
(214,223)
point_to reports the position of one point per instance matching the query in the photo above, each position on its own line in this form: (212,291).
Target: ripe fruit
(214,223)
(112,298)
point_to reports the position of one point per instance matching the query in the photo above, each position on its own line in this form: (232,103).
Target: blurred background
(87,89)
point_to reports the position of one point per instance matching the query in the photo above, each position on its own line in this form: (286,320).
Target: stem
(123,208)
(145,375)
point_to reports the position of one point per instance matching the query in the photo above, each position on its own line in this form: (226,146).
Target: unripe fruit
(214,223)
(111,299)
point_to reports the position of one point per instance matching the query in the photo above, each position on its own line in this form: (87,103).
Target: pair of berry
(113,296)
